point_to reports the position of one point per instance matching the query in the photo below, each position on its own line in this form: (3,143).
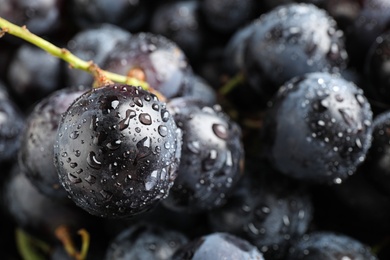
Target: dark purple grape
(36,213)
(212,157)
(40,16)
(235,49)
(203,91)
(376,69)
(36,152)
(130,15)
(324,245)
(218,246)
(226,16)
(290,41)
(180,22)
(145,241)
(318,128)
(12,123)
(377,163)
(154,59)
(117,151)
(93,44)
(267,209)
(372,20)
(30,81)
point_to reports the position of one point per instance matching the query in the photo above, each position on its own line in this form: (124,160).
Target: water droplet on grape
(163,130)
(124,123)
(145,119)
(90,179)
(74,134)
(93,162)
(220,131)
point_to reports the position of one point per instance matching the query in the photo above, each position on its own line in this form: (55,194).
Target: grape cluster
(250,130)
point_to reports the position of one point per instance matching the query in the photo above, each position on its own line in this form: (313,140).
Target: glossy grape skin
(290,41)
(12,123)
(30,82)
(117,151)
(376,71)
(180,22)
(318,128)
(235,49)
(377,163)
(36,153)
(226,16)
(211,160)
(145,241)
(93,43)
(218,246)
(37,214)
(267,209)
(372,20)
(160,61)
(40,16)
(322,245)
(130,15)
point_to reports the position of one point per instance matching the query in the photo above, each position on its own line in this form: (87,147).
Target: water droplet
(209,162)
(114,144)
(77,153)
(64,154)
(155,107)
(347,117)
(73,165)
(124,123)
(360,99)
(321,123)
(138,102)
(90,179)
(93,162)
(194,147)
(145,119)
(253,228)
(114,104)
(73,178)
(229,159)
(144,148)
(286,220)
(163,130)
(220,131)
(106,194)
(100,137)
(151,180)
(358,143)
(94,123)
(164,115)
(337,180)
(74,134)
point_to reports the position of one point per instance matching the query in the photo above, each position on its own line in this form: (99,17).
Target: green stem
(64,54)
(231,84)
(29,247)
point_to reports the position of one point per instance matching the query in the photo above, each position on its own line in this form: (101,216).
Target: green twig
(62,233)
(30,248)
(231,84)
(66,55)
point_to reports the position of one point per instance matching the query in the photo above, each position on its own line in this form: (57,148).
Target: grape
(36,152)
(318,128)
(211,160)
(117,151)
